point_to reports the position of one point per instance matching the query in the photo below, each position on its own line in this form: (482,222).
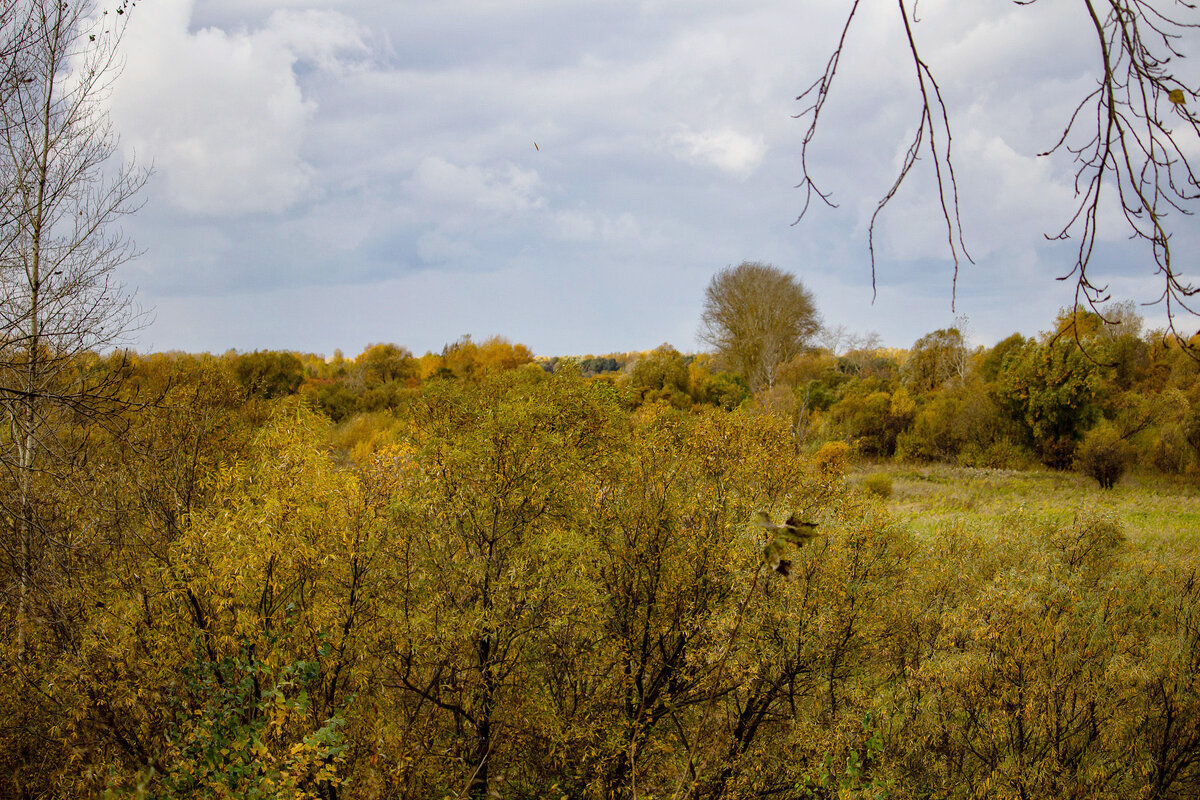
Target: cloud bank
(363,171)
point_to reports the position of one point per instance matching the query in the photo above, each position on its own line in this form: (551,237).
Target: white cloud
(222,115)
(729,151)
(438,247)
(464,205)
(505,190)
(586,226)
(666,150)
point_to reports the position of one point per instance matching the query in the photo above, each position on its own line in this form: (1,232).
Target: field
(1154,512)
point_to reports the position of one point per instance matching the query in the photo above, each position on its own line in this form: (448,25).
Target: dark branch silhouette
(1129,140)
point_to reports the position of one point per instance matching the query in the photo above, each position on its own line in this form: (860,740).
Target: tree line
(1093,392)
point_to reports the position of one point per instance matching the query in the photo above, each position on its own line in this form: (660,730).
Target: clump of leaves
(239,730)
(831,459)
(858,777)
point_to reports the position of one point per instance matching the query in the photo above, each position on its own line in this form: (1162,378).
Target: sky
(570,174)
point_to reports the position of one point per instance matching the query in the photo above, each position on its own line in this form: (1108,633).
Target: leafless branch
(1130,139)
(932,133)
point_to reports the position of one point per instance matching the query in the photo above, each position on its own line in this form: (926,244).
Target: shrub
(1050,390)
(878,484)
(1003,453)
(661,368)
(364,434)
(1103,455)
(831,459)
(728,391)
(269,374)
(874,419)
(721,389)
(242,729)
(384,363)
(1059,452)
(334,399)
(958,418)
(1090,544)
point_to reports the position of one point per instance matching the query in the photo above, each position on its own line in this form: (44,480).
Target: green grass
(1155,512)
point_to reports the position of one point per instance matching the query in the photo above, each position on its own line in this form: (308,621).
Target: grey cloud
(378,158)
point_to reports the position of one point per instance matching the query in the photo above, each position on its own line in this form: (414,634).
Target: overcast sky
(333,173)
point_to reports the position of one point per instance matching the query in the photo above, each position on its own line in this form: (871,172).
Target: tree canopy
(757,317)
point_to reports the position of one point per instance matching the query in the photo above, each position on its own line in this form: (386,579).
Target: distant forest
(1098,394)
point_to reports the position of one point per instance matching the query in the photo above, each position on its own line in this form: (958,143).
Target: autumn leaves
(519,587)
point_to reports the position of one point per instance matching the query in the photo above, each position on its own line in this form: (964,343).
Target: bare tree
(13,30)
(60,197)
(757,317)
(832,338)
(840,341)
(1132,138)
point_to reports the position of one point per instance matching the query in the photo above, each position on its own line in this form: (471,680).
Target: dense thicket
(475,574)
(509,581)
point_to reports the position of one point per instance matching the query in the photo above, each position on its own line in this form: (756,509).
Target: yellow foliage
(831,459)
(520,588)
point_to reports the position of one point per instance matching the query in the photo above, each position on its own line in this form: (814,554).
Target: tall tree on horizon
(756,318)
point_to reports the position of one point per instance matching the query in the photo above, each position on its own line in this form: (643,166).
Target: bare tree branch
(1130,140)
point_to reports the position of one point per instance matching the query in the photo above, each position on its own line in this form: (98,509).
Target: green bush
(958,418)
(727,391)
(241,729)
(268,374)
(1003,453)
(334,399)
(874,420)
(661,370)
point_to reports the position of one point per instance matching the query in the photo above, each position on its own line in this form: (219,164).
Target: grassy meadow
(1153,511)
